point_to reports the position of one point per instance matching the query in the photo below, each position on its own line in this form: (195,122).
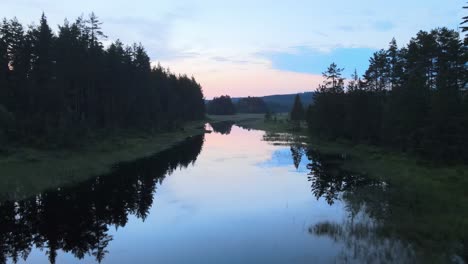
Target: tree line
(57,87)
(413,98)
(224,105)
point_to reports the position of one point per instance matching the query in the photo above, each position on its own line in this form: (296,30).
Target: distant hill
(281,103)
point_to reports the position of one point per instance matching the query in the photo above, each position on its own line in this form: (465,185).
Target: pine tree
(413,98)
(60,87)
(377,76)
(355,83)
(297,112)
(395,65)
(334,82)
(326,115)
(94,29)
(43,91)
(4,61)
(464,26)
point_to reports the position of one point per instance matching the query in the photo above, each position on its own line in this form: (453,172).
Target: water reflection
(77,219)
(330,180)
(223,127)
(362,243)
(284,139)
(246,201)
(297,151)
(384,223)
(362,235)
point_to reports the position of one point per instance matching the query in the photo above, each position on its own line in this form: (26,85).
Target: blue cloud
(306,60)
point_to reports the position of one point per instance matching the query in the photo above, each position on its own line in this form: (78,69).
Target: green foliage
(59,86)
(413,98)
(221,106)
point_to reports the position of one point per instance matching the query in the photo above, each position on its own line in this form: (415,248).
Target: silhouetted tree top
(221,106)
(60,87)
(334,82)
(464,26)
(413,98)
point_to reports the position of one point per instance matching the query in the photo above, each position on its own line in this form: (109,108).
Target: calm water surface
(232,196)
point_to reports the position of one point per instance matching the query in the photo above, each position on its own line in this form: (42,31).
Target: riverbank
(374,160)
(26,171)
(425,203)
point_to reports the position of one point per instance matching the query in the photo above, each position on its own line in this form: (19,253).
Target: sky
(252,48)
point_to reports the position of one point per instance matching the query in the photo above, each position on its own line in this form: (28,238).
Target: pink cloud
(243,79)
(257,83)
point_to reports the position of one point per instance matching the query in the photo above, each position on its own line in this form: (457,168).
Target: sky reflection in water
(241,200)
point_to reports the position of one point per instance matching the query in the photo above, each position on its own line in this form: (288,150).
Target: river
(231,196)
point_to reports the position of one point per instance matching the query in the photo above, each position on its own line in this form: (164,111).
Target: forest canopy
(413,98)
(58,87)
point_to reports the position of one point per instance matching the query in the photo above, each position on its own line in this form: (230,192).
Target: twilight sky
(247,47)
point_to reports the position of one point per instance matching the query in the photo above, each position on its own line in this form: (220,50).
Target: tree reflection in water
(330,180)
(223,127)
(386,221)
(77,219)
(360,234)
(382,223)
(362,243)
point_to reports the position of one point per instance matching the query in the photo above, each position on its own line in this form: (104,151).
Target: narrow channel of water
(231,196)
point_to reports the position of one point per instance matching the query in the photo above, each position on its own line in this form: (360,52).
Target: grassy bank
(26,171)
(384,164)
(425,203)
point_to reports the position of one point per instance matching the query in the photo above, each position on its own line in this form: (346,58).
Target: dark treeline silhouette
(58,87)
(329,180)
(297,111)
(77,219)
(251,105)
(222,105)
(414,98)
